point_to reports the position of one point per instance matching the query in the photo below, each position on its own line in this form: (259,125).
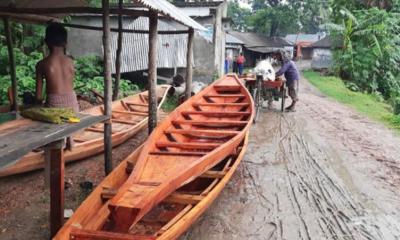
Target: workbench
(20,136)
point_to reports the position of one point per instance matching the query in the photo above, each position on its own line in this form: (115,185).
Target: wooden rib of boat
(167,220)
(129,115)
(193,139)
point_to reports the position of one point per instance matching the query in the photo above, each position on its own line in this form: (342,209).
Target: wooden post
(107,87)
(189,66)
(56,153)
(152,78)
(14,103)
(118,55)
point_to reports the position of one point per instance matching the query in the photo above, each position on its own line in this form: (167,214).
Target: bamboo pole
(107,87)
(14,103)
(152,68)
(189,65)
(118,55)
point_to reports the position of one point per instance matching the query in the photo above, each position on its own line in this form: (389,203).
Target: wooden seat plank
(211,123)
(223,95)
(203,132)
(178,153)
(215,113)
(183,198)
(221,104)
(128,112)
(187,145)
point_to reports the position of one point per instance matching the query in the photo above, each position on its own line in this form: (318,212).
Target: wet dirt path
(323,172)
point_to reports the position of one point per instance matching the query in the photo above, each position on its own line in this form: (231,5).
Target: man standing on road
(292,75)
(240,63)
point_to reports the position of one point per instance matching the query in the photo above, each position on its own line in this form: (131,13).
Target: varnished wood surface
(177,153)
(89,142)
(19,137)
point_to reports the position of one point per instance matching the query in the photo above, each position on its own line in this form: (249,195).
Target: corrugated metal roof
(168,9)
(327,42)
(294,38)
(134,57)
(264,49)
(251,39)
(161,6)
(232,39)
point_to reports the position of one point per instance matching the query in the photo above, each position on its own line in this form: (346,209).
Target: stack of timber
(179,171)
(129,115)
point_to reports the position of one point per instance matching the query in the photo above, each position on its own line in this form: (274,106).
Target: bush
(88,73)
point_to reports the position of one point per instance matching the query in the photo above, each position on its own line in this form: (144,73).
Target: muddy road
(322,172)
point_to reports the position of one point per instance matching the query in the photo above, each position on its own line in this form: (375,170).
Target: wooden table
(19,137)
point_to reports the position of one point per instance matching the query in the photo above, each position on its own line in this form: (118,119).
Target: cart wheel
(283,97)
(257,99)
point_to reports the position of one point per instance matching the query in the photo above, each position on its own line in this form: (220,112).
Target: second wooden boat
(197,136)
(129,115)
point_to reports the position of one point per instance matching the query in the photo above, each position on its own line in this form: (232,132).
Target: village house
(257,47)
(301,43)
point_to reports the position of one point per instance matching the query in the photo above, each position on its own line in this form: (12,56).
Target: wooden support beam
(107,87)
(175,219)
(221,104)
(136,104)
(56,155)
(183,198)
(11,59)
(66,10)
(227,88)
(108,193)
(165,32)
(152,69)
(118,54)
(124,121)
(189,66)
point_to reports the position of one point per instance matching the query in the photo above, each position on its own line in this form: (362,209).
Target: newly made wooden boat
(193,139)
(129,115)
(167,220)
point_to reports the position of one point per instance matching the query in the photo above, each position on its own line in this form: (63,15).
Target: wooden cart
(259,87)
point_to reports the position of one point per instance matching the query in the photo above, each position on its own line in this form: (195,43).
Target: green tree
(239,16)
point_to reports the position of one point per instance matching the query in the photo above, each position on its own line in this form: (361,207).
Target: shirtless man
(58,70)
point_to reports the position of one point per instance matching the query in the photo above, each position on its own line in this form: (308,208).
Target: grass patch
(170,103)
(367,104)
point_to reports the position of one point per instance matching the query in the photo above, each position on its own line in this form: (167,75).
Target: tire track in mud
(318,198)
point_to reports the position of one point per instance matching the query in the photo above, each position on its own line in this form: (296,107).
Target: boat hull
(35,160)
(95,205)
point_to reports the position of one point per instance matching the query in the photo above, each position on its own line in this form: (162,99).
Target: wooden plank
(130,113)
(136,104)
(221,104)
(210,187)
(177,153)
(215,113)
(108,193)
(187,145)
(80,234)
(211,123)
(224,96)
(227,88)
(152,69)
(189,65)
(183,198)
(203,132)
(175,219)
(213,174)
(125,121)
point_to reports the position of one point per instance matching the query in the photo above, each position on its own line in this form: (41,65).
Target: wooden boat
(193,139)
(129,115)
(171,217)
